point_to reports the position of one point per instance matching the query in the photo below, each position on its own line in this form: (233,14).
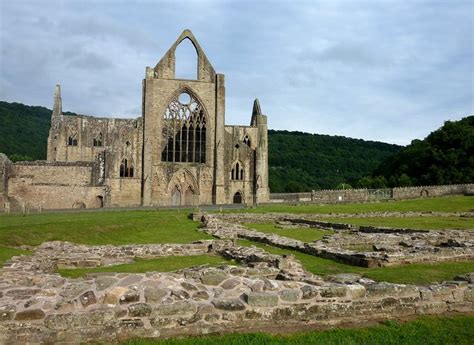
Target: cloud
(390,70)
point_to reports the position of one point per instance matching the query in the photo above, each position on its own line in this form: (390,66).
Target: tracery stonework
(179,152)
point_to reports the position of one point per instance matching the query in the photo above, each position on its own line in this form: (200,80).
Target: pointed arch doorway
(237,198)
(176,197)
(189,197)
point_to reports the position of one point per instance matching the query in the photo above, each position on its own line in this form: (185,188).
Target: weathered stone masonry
(39,306)
(179,152)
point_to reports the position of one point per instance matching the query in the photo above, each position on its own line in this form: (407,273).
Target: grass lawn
(428,330)
(302,234)
(407,274)
(441,204)
(6,253)
(165,264)
(429,223)
(98,228)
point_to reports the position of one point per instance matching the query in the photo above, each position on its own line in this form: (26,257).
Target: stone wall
(368,195)
(267,291)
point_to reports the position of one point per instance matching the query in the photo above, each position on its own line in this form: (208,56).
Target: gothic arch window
(247,140)
(186,60)
(72,139)
(126,168)
(98,139)
(237,172)
(184,131)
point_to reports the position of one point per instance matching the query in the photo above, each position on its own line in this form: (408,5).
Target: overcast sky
(390,71)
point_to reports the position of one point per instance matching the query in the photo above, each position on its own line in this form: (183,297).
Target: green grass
(98,228)
(407,274)
(6,253)
(165,264)
(302,234)
(428,330)
(440,204)
(428,223)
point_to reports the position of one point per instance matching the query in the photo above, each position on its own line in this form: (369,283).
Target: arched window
(237,172)
(72,139)
(186,60)
(184,130)
(247,140)
(98,139)
(126,168)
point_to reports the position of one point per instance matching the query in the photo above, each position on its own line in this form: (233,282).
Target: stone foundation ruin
(265,292)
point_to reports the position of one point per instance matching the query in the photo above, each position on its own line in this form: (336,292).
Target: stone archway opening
(424,193)
(189,197)
(100,201)
(237,198)
(176,197)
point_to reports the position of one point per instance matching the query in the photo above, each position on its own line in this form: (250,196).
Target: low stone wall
(38,306)
(368,195)
(389,246)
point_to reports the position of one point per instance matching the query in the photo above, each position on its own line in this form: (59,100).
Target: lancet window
(184,131)
(98,139)
(237,172)
(126,168)
(72,139)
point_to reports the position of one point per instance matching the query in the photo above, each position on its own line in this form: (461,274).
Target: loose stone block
(256,299)
(229,304)
(333,291)
(213,278)
(175,308)
(230,283)
(103,282)
(33,314)
(200,295)
(356,290)
(309,292)
(289,295)
(155,295)
(139,310)
(130,296)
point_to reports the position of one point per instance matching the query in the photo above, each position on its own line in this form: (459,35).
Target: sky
(390,71)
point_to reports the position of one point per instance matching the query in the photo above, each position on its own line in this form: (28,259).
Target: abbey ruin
(179,152)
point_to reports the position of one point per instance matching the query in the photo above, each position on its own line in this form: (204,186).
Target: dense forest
(446,156)
(301,161)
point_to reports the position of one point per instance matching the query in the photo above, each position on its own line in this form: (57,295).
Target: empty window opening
(97,142)
(184,131)
(186,60)
(126,168)
(237,198)
(237,172)
(72,139)
(247,140)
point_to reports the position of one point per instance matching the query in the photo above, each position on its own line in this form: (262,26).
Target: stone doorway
(189,197)
(176,197)
(100,201)
(237,198)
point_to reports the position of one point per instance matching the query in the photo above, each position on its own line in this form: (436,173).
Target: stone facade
(180,152)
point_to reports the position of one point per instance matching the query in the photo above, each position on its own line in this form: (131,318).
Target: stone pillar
(219,195)
(54,137)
